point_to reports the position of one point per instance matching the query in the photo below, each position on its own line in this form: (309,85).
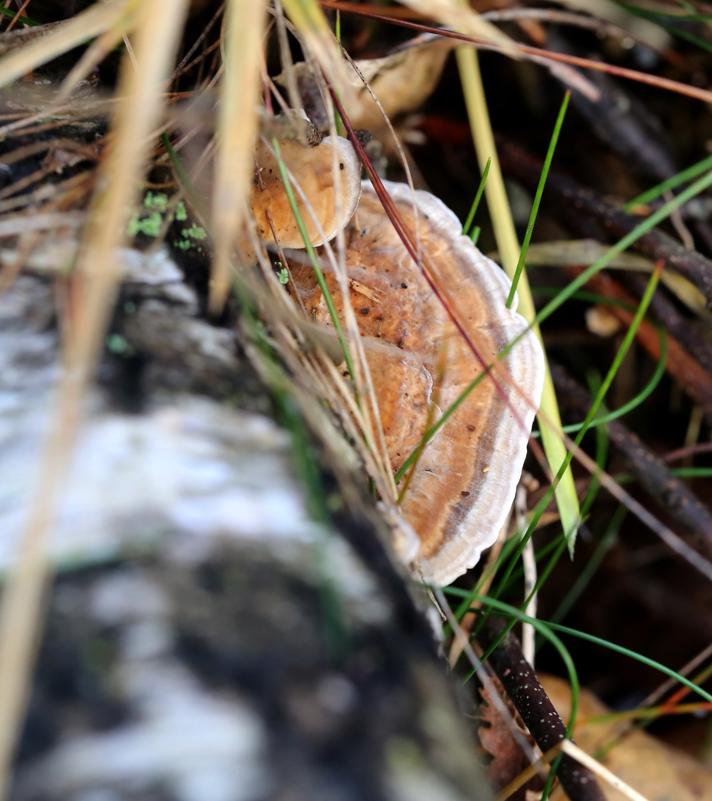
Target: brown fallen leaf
(401,81)
(495,736)
(657,771)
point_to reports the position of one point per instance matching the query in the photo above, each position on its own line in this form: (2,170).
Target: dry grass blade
(506,236)
(463,19)
(236,132)
(596,767)
(95,21)
(309,20)
(135,118)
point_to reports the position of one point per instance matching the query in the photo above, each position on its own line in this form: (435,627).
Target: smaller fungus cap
(326,180)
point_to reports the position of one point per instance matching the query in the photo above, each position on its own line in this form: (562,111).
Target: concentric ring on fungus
(463,486)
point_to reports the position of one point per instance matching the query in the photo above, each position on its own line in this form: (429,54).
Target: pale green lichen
(194,232)
(148,226)
(156,200)
(151,223)
(116,344)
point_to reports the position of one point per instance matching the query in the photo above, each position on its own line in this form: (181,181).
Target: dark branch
(578,205)
(652,473)
(533,704)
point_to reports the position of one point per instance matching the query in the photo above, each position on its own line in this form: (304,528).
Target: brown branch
(533,704)
(652,473)
(684,368)
(691,332)
(577,204)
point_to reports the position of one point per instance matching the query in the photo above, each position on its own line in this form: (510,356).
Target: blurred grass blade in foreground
(136,116)
(236,132)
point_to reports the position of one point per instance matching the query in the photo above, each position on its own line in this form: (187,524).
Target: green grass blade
(311,252)
(670,183)
(678,472)
(476,202)
(23,20)
(601,455)
(639,397)
(666,21)
(596,403)
(537,199)
(647,390)
(589,569)
(500,606)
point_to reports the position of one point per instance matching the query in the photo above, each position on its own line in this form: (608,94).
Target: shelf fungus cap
(462,488)
(326,181)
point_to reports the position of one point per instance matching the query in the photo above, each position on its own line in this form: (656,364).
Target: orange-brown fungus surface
(325,205)
(464,483)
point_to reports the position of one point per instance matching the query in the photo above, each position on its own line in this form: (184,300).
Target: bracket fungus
(462,487)
(325,205)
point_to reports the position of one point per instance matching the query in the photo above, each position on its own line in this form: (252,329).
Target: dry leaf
(401,82)
(496,738)
(658,771)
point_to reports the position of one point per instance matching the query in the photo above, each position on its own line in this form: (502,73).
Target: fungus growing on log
(325,204)
(463,485)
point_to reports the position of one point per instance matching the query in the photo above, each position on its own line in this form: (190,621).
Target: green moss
(115,343)
(156,200)
(194,232)
(148,226)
